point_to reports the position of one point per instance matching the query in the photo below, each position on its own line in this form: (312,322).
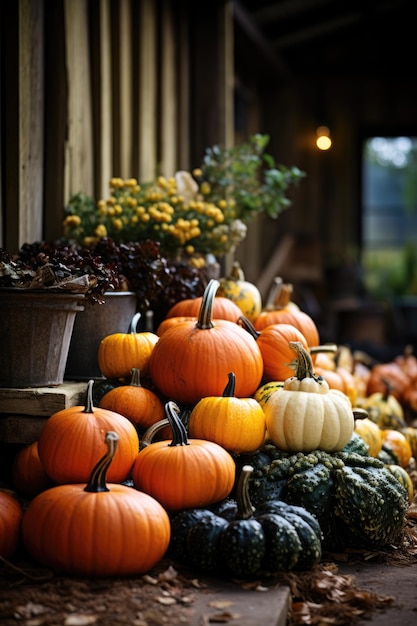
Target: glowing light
(323,141)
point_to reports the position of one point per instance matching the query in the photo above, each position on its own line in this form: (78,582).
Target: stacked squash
(213,444)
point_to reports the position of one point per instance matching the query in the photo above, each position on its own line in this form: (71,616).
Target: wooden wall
(92,89)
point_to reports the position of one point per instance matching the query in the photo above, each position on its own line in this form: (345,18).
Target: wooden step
(23,412)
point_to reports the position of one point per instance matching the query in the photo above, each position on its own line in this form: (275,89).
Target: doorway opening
(389,216)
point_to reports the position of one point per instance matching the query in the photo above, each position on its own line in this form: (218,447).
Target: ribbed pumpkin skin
(302,421)
(398,443)
(139,405)
(223,308)
(172,321)
(237,424)
(276,354)
(72,441)
(190,363)
(289,315)
(185,476)
(11,514)
(119,353)
(28,473)
(119,532)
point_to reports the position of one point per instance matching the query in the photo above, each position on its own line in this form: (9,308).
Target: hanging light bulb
(323,140)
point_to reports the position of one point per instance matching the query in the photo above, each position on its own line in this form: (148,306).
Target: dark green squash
(353,496)
(235,538)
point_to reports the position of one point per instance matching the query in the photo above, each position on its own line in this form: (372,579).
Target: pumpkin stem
(303,365)
(326,348)
(245,509)
(150,432)
(89,405)
(134,323)
(204,321)
(275,289)
(247,325)
(97,481)
(387,389)
(359,413)
(229,390)
(237,272)
(135,381)
(179,432)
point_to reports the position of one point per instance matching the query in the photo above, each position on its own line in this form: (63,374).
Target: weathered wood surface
(23,412)
(41,401)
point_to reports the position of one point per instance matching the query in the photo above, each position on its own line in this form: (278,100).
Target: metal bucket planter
(35,334)
(91,326)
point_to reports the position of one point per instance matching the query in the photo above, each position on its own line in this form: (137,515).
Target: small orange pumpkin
(281,311)
(28,473)
(97,529)
(119,353)
(11,514)
(183,473)
(274,344)
(398,443)
(71,442)
(140,405)
(237,424)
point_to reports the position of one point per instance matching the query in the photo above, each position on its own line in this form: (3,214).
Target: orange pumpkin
(119,353)
(192,360)
(140,405)
(184,473)
(171,321)
(222,308)
(237,424)
(398,443)
(28,473)
(71,442)
(11,514)
(274,344)
(97,529)
(281,311)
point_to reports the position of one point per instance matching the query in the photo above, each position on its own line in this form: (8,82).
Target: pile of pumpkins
(219,377)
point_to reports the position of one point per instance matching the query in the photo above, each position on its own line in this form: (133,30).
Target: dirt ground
(353,587)
(349,588)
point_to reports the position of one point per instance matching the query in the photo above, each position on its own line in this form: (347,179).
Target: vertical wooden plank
(169,91)
(124,85)
(55,95)
(79,152)
(9,13)
(183,91)
(31,120)
(148,76)
(226,73)
(104,157)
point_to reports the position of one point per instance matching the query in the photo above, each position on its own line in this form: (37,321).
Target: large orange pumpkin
(97,529)
(72,440)
(281,311)
(193,359)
